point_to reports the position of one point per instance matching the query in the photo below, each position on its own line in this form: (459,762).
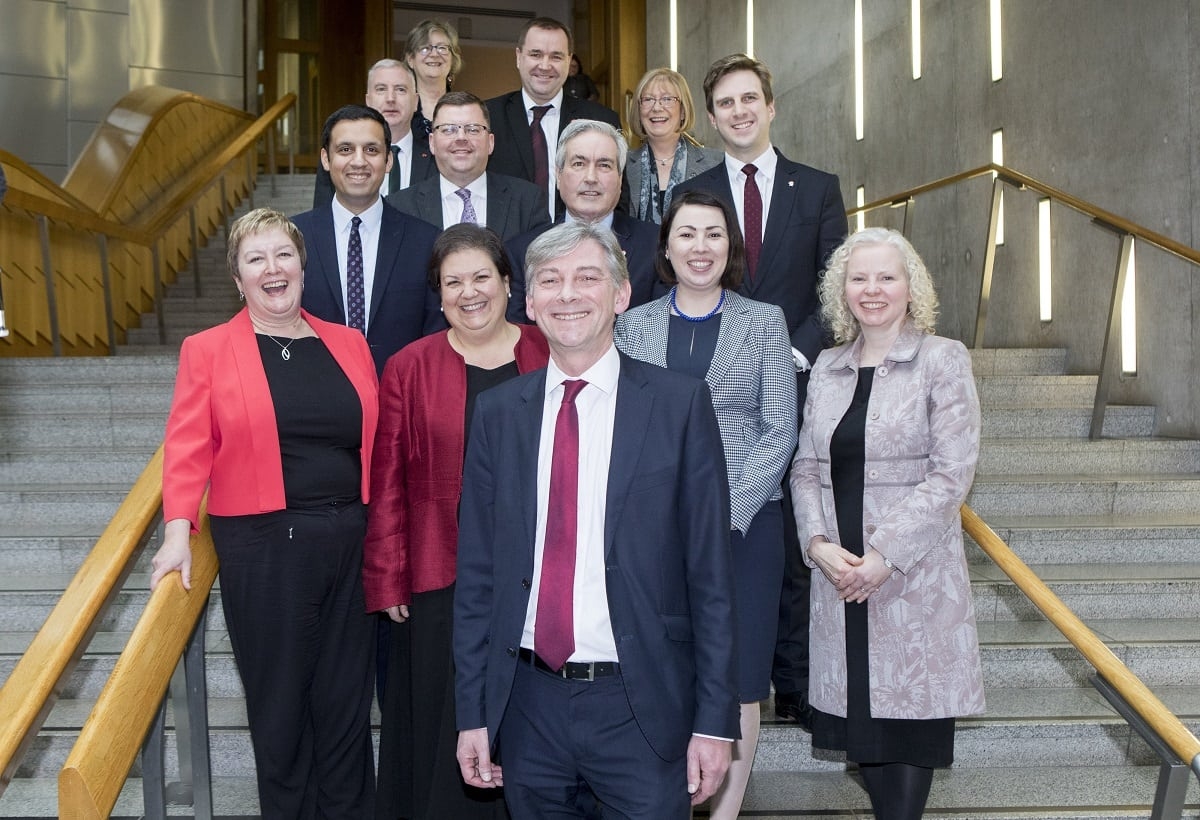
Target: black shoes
(794,707)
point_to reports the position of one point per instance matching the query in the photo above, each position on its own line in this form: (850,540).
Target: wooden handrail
(109,742)
(31,690)
(1014,177)
(1097,653)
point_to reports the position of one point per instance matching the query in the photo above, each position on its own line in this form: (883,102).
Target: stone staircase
(1111,525)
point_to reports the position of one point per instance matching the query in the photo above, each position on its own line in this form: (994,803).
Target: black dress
(419,778)
(863,738)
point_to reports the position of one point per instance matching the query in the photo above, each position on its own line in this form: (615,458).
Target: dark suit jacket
(403,307)
(423,168)
(666,545)
(513,154)
(514,206)
(638,239)
(805,223)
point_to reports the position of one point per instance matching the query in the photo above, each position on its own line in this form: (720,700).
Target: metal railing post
(909,207)
(106,278)
(156,257)
(48,269)
(154,798)
(989,265)
(271,155)
(1112,342)
(190,700)
(195,248)
(292,142)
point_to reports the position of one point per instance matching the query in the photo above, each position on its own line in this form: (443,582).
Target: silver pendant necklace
(284,353)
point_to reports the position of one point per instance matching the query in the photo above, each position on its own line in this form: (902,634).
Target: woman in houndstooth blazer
(741,348)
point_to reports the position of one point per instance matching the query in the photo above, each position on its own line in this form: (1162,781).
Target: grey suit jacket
(514,206)
(753,382)
(699,160)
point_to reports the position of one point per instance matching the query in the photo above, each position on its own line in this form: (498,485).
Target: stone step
(1067,456)
(33,550)
(55,431)
(1036,391)
(1110,539)
(1044,495)
(93,370)
(233,798)
(1019,361)
(64,466)
(90,508)
(25,403)
(1120,421)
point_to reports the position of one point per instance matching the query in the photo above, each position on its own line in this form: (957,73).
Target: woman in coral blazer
(886,457)
(275,414)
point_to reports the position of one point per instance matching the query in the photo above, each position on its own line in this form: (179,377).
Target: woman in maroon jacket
(426,398)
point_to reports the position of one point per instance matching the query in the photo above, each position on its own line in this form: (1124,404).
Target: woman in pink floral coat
(886,457)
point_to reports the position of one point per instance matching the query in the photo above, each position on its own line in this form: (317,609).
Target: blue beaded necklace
(709,315)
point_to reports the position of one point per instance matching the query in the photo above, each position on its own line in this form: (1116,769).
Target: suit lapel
(497,204)
(735,327)
(783,198)
(324,247)
(634,413)
(429,201)
(527,428)
(518,124)
(391,235)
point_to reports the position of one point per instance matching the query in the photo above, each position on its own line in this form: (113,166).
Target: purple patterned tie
(752,217)
(554,622)
(356,315)
(468,214)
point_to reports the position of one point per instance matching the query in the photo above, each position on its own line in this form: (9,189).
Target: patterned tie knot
(539,111)
(750,170)
(571,388)
(356,221)
(464,194)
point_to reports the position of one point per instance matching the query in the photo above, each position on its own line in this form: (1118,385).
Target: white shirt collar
(555,104)
(477,187)
(764,162)
(603,374)
(371,217)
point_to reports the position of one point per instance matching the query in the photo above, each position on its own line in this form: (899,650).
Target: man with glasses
(392,91)
(464,190)
(528,122)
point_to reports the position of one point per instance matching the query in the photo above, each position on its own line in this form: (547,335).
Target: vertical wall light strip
(860,199)
(915,16)
(997,42)
(998,159)
(674,36)
(1129,316)
(1044,260)
(858,70)
(750,27)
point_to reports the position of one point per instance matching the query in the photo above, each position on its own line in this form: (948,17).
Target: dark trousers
(560,738)
(789,672)
(291,589)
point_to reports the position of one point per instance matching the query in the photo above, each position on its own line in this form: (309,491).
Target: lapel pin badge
(791,183)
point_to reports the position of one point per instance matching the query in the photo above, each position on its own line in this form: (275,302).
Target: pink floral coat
(922,442)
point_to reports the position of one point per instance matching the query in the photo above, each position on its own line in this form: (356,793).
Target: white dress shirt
(550,123)
(452,204)
(597,406)
(368,232)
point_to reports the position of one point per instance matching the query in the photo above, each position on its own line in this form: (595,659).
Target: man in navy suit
(464,190)
(544,50)
(399,306)
(616,677)
(796,219)
(392,91)
(591,164)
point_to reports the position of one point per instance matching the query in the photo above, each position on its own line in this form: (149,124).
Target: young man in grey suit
(464,190)
(792,217)
(593,609)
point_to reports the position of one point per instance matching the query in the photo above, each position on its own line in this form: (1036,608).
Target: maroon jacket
(416,472)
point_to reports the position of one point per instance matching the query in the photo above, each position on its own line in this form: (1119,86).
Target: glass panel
(299,73)
(298,19)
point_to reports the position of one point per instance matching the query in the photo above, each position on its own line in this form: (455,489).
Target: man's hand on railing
(174,554)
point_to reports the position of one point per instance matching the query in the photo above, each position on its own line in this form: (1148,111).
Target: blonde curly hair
(835,312)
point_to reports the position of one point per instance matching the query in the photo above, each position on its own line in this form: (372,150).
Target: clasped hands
(854,576)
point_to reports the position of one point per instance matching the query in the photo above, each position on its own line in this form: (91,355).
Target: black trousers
(789,671)
(291,590)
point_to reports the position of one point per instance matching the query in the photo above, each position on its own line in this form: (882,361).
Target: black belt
(573,670)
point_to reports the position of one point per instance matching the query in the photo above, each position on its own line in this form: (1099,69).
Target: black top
(319,416)
(691,345)
(480,379)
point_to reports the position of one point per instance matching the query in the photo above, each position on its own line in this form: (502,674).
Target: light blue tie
(468,214)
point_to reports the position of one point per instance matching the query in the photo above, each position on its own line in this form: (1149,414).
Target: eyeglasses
(440,48)
(666,101)
(451,129)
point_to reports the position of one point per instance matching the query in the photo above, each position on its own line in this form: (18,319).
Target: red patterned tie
(554,623)
(541,155)
(752,219)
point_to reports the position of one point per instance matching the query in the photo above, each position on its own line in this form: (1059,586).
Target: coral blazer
(222,429)
(922,442)
(412,532)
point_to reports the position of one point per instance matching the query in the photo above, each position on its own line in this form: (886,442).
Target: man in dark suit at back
(792,217)
(464,190)
(392,91)
(593,620)
(527,123)
(366,261)
(591,164)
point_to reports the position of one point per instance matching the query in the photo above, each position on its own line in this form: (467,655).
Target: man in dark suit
(591,164)
(387,297)
(593,634)
(392,91)
(464,190)
(544,50)
(792,217)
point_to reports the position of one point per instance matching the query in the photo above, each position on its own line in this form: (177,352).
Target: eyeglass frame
(442,49)
(470,129)
(666,101)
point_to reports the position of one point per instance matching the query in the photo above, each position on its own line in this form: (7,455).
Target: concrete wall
(63,63)
(1096,99)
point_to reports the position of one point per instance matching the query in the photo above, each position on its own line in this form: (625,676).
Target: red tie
(752,218)
(554,623)
(541,155)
